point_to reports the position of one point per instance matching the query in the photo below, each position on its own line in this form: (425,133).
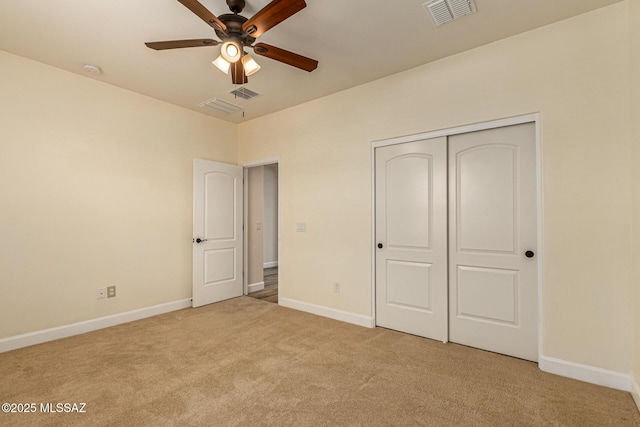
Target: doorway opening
(270,291)
(261,232)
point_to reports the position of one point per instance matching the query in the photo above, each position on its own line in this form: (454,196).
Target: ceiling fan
(238,32)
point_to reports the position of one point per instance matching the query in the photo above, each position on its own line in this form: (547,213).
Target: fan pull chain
(235,94)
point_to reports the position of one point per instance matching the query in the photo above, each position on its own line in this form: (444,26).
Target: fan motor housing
(234,27)
(236,6)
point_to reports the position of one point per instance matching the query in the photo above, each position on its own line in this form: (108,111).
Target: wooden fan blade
(285,56)
(204,14)
(177,44)
(271,15)
(238,76)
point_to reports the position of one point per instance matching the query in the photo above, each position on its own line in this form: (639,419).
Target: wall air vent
(444,11)
(244,93)
(217,105)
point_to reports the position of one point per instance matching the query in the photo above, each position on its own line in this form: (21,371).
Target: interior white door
(411,238)
(217,232)
(493,295)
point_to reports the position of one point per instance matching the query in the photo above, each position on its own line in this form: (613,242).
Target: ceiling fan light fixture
(232,49)
(250,65)
(222,64)
(237,32)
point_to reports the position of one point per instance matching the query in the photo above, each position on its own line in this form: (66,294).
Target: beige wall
(270,234)
(95,190)
(576,74)
(634,20)
(256,215)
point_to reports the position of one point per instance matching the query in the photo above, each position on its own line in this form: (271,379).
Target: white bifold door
(466,204)
(217,232)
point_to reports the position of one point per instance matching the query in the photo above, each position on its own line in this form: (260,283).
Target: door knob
(199,240)
(380,245)
(529,254)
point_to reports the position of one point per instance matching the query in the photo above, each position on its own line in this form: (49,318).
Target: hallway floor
(270,291)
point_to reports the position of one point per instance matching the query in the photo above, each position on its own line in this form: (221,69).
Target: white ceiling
(355,42)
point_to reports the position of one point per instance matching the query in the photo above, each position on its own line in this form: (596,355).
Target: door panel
(486,224)
(411,221)
(493,294)
(217,221)
(409,285)
(411,206)
(219,265)
(488,294)
(219,217)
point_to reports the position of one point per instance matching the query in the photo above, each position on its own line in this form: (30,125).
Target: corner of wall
(634,32)
(635,393)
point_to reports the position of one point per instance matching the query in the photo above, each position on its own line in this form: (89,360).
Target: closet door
(411,238)
(493,296)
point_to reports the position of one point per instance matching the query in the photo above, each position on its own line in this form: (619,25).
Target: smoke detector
(93,69)
(443,11)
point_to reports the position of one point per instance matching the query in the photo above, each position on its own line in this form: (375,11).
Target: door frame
(493,124)
(245,268)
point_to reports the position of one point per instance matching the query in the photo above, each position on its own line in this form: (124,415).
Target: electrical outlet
(301,227)
(111,291)
(258,225)
(336,287)
(101,293)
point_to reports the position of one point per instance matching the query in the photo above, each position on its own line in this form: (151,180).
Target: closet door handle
(380,245)
(529,254)
(199,240)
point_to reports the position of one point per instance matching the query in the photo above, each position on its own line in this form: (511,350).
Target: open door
(217,232)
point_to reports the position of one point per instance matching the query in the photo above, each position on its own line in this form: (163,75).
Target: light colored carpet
(248,362)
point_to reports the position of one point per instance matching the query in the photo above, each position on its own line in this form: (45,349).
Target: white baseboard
(586,373)
(255,287)
(270,264)
(635,392)
(39,337)
(332,313)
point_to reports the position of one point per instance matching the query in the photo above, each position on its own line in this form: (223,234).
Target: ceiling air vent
(219,106)
(444,11)
(244,93)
